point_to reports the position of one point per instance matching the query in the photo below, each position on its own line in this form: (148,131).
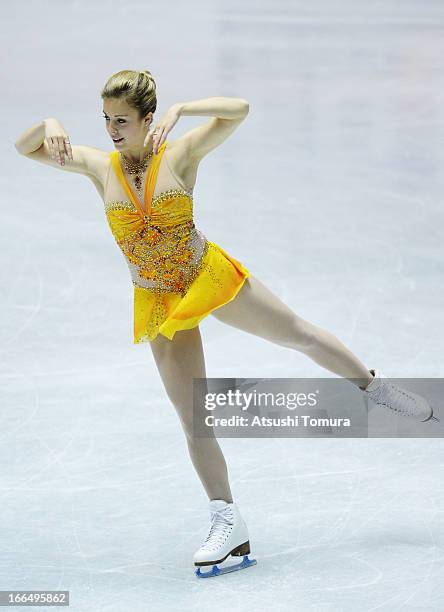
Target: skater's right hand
(58,141)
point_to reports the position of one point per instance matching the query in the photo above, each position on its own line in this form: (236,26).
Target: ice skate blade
(217,571)
(432,417)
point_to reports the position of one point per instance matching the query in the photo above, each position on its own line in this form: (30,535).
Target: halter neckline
(144,208)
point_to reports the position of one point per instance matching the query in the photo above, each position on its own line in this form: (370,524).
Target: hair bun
(149,76)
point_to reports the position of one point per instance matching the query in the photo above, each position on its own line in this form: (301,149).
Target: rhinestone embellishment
(164,250)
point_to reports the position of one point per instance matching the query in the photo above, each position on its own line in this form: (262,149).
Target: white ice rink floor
(331,193)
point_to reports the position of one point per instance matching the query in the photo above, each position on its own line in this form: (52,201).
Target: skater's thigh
(256,309)
(179,361)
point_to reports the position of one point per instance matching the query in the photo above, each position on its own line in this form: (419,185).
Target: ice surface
(331,193)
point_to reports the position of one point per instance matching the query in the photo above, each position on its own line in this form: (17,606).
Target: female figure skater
(180,277)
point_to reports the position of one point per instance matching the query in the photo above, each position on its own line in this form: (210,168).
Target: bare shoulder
(97,162)
(187,151)
(182,166)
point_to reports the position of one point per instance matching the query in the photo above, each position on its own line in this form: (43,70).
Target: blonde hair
(137,87)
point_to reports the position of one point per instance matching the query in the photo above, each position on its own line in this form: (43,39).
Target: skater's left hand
(163,128)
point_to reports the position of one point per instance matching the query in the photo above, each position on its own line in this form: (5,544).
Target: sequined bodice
(162,247)
(169,208)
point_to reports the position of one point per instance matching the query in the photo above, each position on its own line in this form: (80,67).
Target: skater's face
(124,126)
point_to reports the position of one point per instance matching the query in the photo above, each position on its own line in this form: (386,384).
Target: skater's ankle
(369,380)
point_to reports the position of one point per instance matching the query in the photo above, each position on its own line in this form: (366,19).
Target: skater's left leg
(179,361)
(258,311)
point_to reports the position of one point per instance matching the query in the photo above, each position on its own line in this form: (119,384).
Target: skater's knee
(303,334)
(185,414)
(193,424)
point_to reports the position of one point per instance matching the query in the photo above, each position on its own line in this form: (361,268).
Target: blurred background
(330,193)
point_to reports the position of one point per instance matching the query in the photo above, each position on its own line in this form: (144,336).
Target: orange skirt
(218,282)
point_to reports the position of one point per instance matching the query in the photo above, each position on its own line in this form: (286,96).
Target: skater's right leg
(179,361)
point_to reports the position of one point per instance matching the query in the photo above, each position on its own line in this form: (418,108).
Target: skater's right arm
(47,142)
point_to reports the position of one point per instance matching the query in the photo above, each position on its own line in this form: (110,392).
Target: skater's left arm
(227,114)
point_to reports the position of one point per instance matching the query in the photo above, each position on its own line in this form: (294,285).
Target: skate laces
(386,395)
(221,526)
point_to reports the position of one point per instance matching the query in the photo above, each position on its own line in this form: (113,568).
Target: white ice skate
(398,400)
(228,535)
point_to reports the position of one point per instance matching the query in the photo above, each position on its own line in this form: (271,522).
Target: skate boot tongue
(217,504)
(374,386)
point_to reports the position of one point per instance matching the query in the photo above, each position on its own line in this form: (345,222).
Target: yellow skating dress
(179,276)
